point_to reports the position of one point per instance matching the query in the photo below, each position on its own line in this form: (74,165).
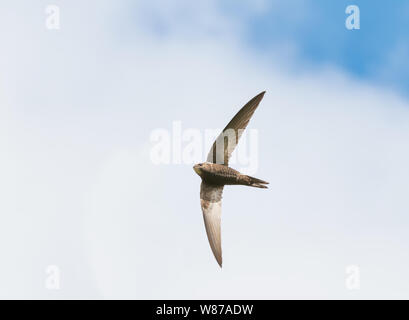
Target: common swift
(216,173)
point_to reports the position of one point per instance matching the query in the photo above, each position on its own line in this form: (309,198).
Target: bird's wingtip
(260,95)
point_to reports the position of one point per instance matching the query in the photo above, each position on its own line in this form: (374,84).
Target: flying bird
(216,173)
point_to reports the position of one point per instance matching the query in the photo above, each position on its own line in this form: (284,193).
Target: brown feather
(211,203)
(227,141)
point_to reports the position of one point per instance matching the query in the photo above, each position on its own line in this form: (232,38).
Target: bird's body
(221,175)
(216,173)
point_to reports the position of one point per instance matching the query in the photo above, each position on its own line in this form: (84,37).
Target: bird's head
(198,168)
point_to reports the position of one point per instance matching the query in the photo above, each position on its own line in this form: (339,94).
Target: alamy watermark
(352,22)
(52,19)
(191,146)
(353,277)
(53,277)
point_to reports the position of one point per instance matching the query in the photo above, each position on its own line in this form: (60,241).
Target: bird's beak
(197,169)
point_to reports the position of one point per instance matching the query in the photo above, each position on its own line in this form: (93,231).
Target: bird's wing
(211,202)
(227,141)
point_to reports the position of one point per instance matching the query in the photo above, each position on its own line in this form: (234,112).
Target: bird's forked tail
(254,182)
